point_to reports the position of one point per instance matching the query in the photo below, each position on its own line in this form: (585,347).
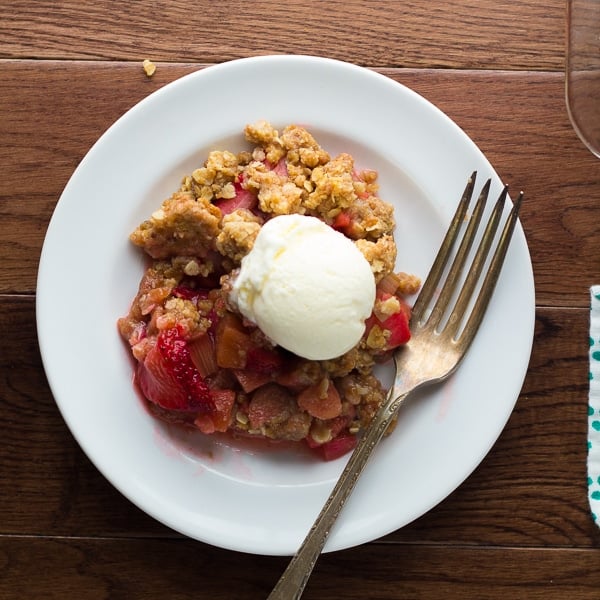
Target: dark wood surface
(520,524)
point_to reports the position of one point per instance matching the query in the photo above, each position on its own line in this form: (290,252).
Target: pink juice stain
(448,395)
(224,453)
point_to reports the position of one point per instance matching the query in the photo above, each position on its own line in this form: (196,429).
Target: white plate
(246,498)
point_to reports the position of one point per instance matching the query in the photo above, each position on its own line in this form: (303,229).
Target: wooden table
(520,525)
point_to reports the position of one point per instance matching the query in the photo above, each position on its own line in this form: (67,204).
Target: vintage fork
(442,331)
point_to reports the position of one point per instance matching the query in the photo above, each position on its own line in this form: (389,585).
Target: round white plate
(241,496)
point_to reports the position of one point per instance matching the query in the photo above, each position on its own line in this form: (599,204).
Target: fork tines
(433,320)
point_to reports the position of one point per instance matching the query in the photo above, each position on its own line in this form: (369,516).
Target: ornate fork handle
(436,349)
(294,579)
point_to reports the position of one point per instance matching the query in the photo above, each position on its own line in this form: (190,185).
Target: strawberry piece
(169,378)
(338,446)
(397,325)
(220,418)
(342,221)
(242,199)
(321,400)
(263,360)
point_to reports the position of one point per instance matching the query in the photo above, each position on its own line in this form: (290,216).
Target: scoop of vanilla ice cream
(307,286)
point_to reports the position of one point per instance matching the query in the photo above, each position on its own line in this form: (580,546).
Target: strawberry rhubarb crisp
(270,295)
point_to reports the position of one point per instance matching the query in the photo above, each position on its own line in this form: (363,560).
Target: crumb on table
(149,67)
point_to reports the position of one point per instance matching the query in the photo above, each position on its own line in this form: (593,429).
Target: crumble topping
(238,379)
(381,255)
(149,67)
(183,225)
(238,232)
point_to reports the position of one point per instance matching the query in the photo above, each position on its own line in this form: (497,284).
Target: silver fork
(442,330)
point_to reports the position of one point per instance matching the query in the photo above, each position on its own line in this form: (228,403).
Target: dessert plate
(236,494)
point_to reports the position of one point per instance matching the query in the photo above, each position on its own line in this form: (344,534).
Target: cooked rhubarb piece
(337,447)
(202,353)
(321,400)
(389,284)
(219,419)
(242,199)
(279,167)
(232,343)
(251,380)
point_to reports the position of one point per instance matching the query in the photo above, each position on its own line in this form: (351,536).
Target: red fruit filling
(321,400)
(394,326)
(229,374)
(199,362)
(342,221)
(263,360)
(169,378)
(220,418)
(202,353)
(242,199)
(338,446)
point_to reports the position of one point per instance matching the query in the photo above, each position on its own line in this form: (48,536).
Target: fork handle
(292,582)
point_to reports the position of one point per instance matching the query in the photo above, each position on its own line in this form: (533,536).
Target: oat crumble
(149,67)
(216,371)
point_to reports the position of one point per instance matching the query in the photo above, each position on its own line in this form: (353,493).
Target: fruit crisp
(198,360)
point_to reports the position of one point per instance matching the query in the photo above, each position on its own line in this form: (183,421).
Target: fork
(443,325)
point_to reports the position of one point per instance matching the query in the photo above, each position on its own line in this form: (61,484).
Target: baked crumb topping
(196,241)
(149,67)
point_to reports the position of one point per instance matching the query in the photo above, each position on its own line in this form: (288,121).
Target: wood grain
(520,525)
(93,569)
(543,502)
(532,146)
(481,34)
